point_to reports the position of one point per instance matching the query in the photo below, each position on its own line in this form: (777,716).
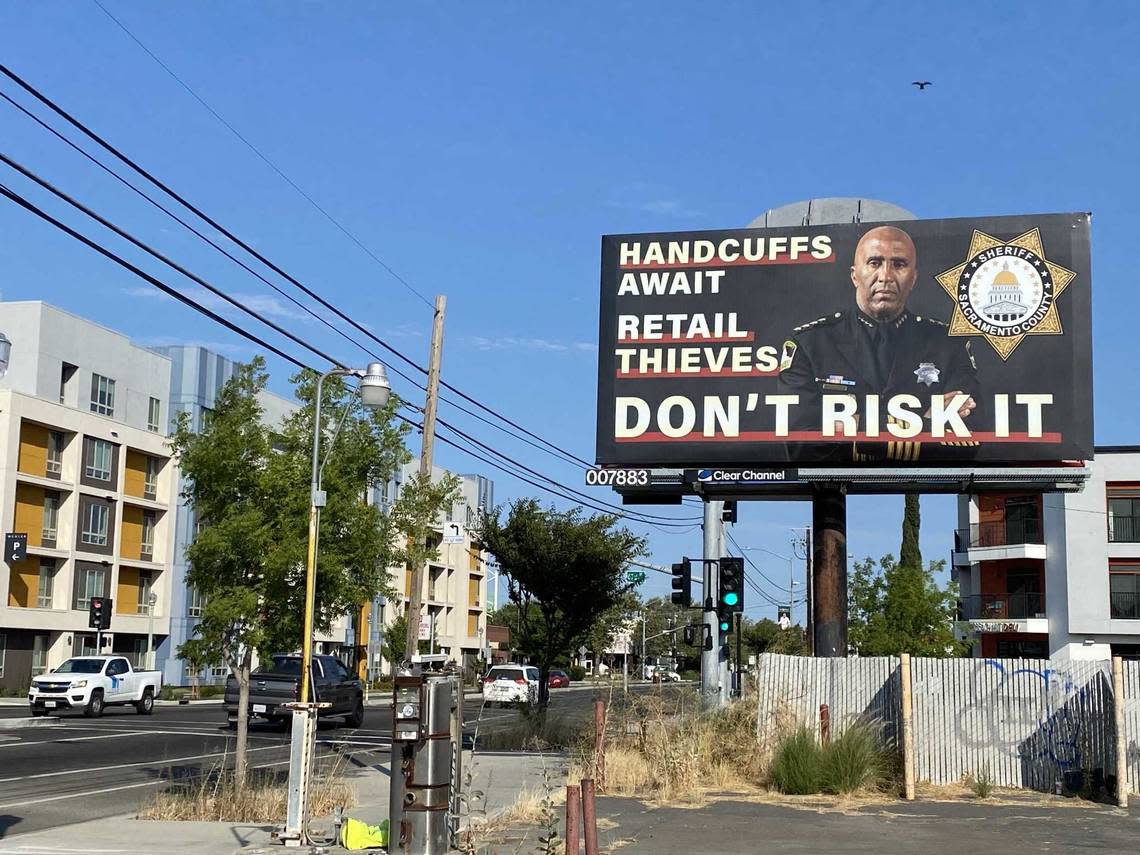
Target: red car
(558,679)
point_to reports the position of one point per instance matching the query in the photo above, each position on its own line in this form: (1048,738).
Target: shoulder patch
(787,355)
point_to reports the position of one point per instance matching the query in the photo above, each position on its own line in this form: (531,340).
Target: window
(90,582)
(46,592)
(95,525)
(146,546)
(54,454)
(146,586)
(153,414)
(40,645)
(102,395)
(1123,515)
(51,515)
(150,479)
(1124,592)
(100,455)
(66,375)
(194,602)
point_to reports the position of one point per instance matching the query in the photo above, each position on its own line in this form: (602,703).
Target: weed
(854,761)
(798,764)
(982,783)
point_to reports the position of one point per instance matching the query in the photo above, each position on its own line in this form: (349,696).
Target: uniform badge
(926,373)
(787,355)
(1005,290)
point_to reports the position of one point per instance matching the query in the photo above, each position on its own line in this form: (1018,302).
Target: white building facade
(1054,575)
(86,474)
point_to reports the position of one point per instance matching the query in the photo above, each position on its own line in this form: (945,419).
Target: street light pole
(374,392)
(151,599)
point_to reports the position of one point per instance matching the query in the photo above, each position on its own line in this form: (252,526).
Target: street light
(5,353)
(374,392)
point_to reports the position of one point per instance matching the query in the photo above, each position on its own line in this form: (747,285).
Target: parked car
(559,679)
(511,684)
(278,682)
(92,683)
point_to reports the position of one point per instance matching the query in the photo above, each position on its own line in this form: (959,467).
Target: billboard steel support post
(712,687)
(829,572)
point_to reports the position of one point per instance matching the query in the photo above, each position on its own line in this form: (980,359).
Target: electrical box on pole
(730,599)
(683,584)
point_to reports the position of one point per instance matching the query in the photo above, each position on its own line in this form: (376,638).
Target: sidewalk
(502,777)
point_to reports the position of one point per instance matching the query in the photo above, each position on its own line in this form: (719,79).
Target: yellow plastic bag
(356,835)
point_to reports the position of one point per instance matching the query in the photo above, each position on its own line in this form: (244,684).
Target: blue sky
(482,150)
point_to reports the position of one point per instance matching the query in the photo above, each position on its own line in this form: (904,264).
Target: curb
(21,723)
(187,703)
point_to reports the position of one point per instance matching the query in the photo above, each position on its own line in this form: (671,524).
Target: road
(85,768)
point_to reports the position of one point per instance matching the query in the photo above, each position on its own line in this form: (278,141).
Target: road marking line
(117,789)
(121,733)
(154,762)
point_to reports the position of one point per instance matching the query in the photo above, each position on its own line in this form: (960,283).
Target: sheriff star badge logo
(1005,290)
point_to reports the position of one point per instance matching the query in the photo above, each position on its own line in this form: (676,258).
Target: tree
(766,636)
(909,553)
(661,615)
(563,571)
(248,484)
(896,609)
(394,640)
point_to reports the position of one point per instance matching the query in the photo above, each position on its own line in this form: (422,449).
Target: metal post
(589,817)
(710,659)
(642,665)
(725,638)
(415,599)
(829,572)
(573,818)
(809,606)
(150,637)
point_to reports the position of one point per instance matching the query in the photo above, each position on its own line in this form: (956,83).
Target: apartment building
(86,474)
(1054,575)
(196,377)
(453,619)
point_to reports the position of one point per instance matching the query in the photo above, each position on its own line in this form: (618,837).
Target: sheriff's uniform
(848,353)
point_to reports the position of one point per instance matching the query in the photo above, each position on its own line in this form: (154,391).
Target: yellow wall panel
(472,590)
(130,539)
(472,624)
(24,583)
(29,516)
(134,476)
(33,449)
(127,593)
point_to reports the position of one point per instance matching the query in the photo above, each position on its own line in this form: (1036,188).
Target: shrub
(982,783)
(854,760)
(577,673)
(797,764)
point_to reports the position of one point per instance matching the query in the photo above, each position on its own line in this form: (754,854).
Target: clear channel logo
(742,476)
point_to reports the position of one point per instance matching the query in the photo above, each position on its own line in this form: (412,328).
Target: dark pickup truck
(278,682)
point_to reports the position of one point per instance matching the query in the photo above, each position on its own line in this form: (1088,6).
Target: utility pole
(415,601)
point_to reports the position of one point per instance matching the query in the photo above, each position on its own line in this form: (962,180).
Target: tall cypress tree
(909,554)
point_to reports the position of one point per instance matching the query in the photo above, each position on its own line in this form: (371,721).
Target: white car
(511,684)
(92,683)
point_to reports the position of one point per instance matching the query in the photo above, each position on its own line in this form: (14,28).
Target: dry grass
(661,746)
(213,797)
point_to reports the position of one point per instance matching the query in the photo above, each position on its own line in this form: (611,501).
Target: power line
(29,206)
(264,158)
(58,110)
(780,588)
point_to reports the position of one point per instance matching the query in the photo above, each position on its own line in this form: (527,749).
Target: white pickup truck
(92,683)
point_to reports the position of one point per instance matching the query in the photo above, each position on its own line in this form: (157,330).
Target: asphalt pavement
(83,769)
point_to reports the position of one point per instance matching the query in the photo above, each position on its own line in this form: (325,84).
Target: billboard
(960,342)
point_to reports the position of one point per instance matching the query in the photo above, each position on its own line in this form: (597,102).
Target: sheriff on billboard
(932,342)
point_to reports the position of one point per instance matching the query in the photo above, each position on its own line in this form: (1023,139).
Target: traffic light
(730,591)
(728,515)
(690,635)
(683,584)
(99,613)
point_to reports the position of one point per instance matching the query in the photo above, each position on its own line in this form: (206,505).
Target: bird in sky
(921,84)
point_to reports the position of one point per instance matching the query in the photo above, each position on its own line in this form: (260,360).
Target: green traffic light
(731,598)
(724,626)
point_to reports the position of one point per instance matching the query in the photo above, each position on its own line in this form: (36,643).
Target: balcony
(1021,606)
(1125,605)
(1122,529)
(999,540)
